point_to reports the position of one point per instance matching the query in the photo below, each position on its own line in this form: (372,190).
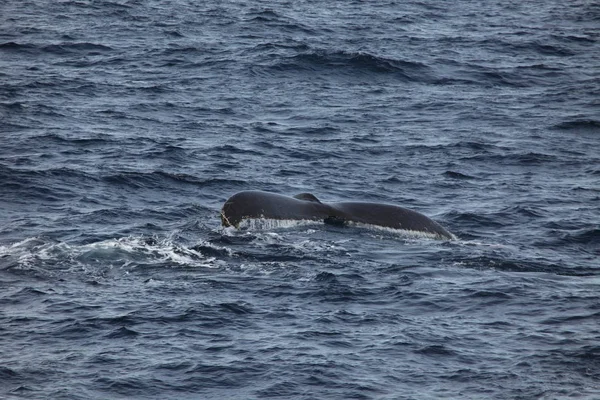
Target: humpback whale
(305,206)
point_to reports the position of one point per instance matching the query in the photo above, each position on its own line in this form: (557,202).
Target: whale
(255,204)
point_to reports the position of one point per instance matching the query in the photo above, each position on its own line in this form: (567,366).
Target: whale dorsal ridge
(307,197)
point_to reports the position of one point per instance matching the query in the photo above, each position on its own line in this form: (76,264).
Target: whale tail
(305,206)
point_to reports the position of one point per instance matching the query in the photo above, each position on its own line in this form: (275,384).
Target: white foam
(28,251)
(259,224)
(147,250)
(270,224)
(123,252)
(406,233)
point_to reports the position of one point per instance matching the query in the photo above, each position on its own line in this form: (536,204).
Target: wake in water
(125,253)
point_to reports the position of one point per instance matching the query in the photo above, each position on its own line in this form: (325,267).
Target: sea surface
(126,124)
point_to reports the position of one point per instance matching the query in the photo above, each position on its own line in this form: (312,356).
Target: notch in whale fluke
(307,197)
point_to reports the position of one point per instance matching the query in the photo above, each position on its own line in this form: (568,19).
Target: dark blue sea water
(126,124)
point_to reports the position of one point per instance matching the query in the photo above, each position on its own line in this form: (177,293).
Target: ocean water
(126,124)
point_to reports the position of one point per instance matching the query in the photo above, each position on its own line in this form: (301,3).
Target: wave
(47,257)
(481,223)
(457,175)
(167,152)
(17,47)
(478,75)
(20,185)
(469,146)
(515,264)
(86,48)
(158,179)
(474,220)
(264,15)
(7,173)
(257,20)
(229,149)
(579,124)
(527,47)
(64,48)
(587,237)
(515,158)
(353,64)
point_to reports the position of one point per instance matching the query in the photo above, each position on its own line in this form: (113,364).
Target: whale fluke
(305,206)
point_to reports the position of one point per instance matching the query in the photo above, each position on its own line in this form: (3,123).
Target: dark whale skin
(305,206)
